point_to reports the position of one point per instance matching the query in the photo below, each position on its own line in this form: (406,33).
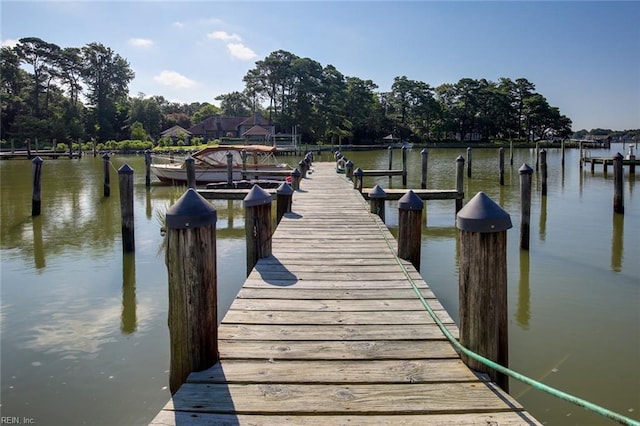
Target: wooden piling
(358,177)
(618,174)
(525,205)
(190,164)
(543,171)
(302,165)
(482,281)
(257,207)
(390,152)
(125,178)
(459,181)
(563,153)
(469,160)
(348,173)
(147,168)
(229,169)
(425,160)
(284,196)
(511,152)
(410,208)
(501,166)
(28,142)
(377,198)
(295,179)
(36,199)
(192,273)
(537,156)
(107,168)
(404,166)
(632,157)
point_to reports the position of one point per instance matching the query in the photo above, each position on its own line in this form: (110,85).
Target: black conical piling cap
(191,210)
(377,192)
(410,201)
(482,214)
(257,197)
(284,189)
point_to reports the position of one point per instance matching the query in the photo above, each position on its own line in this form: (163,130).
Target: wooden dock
(329,331)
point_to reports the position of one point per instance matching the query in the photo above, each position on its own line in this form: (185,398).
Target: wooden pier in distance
(329,330)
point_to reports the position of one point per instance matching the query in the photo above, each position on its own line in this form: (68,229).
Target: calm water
(84,336)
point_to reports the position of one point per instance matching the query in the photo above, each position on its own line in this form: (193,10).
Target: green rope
(504,370)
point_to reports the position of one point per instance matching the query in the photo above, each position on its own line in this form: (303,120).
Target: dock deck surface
(329,331)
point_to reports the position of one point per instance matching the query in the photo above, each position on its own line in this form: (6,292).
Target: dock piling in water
(192,271)
(618,173)
(190,164)
(106,167)
(543,170)
(482,226)
(377,198)
(469,161)
(147,168)
(501,166)
(36,199)
(459,181)
(525,205)
(125,178)
(425,161)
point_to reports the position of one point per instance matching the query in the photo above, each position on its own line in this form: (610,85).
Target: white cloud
(141,42)
(240,51)
(174,80)
(9,42)
(224,36)
(178,24)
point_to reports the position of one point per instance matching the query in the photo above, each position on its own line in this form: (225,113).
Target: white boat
(212,165)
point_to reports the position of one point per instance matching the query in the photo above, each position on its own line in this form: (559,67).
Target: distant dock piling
(424,155)
(192,269)
(618,179)
(501,166)
(190,165)
(469,161)
(107,168)
(125,178)
(525,205)
(482,226)
(459,181)
(36,199)
(147,168)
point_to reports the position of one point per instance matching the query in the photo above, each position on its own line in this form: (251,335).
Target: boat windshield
(219,157)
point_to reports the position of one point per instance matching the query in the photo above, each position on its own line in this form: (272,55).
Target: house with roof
(255,129)
(175,132)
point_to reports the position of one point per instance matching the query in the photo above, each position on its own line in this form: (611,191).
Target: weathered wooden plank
(336,350)
(323,332)
(187,418)
(328,275)
(369,399)
(371,305)
(383,371)
(344,318)
(328,285)
(347,294)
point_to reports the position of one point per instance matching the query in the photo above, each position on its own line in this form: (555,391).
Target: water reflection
(617,243)
(523,312)
(542,229)
(38,244)
(128,319)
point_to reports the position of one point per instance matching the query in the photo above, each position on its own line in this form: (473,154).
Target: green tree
(235,104)
(137,132)
(106,75)
(205,111)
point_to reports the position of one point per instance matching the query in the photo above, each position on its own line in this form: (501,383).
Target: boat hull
(175,173)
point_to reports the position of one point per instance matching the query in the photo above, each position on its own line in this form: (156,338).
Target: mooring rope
(504,370)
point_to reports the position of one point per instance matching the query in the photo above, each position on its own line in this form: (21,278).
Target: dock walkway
(329,331)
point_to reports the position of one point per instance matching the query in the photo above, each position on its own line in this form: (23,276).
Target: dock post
(192,273)
(190,164)
(632,157)
(243,155)
(107,183)
(295,179)
(36,199)
(525,205)
(125,178)
(618,197)
(390,151)
(284,195)
(425,160)
(348,173)
(511,152)
(257,225)
(410,208)
(501,166)
(543,170)
(562,148)
(404,166)
(358,177)
(28,142)
(537,156)
(459,181)
(482,226)
(377,198)
(302,165)
(147,168)
(229,169)
(469,160)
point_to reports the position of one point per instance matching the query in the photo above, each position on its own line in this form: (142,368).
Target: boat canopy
(217,155)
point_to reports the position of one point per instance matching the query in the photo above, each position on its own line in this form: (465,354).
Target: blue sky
(584,57)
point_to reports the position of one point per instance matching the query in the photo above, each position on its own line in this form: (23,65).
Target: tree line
(49,92)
